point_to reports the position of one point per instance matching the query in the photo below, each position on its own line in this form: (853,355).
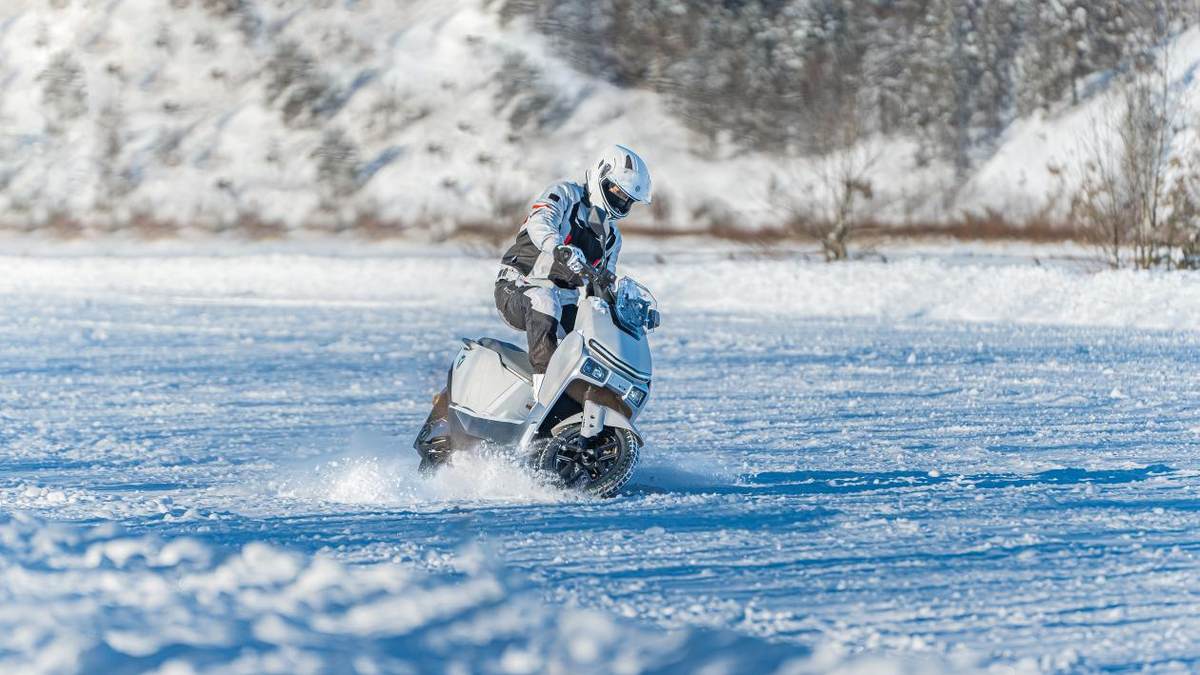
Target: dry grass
(986,227)
(489,233)
(497,233)
(63,226)
(147,227)
(371,227)
(724,231)
(255,228)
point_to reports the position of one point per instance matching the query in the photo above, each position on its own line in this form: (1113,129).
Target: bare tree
(1101,206)
(1124,200)
(824,193)
(1151,118)
(843,173)
(831,181)
(1183,213)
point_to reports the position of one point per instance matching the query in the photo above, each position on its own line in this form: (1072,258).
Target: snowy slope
(427,113)
(431,95)
(1039,163)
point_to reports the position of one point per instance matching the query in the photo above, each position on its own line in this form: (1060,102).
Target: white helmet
(618,181)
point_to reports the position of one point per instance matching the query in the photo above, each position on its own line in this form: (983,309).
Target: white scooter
(579,431)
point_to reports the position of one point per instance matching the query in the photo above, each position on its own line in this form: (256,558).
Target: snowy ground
(948,461)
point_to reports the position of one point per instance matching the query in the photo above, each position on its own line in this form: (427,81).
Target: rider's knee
(544,301)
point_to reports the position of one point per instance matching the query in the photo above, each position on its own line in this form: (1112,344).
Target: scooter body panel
(629,349)
(482,387)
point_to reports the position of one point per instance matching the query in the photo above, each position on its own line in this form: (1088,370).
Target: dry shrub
(987,226)
(63,225)
(147,226)
(370,226)
(252,226)
(490,233)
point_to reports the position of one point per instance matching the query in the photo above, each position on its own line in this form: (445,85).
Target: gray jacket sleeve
(546,217)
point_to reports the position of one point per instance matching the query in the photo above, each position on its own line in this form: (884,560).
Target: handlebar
(601,277)
(601,284)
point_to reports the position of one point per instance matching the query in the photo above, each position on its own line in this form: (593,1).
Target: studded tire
(600,467)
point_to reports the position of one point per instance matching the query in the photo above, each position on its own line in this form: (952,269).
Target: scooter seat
(512,357)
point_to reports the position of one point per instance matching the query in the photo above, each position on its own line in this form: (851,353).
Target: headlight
(594,370)
(637,396)
(635,307)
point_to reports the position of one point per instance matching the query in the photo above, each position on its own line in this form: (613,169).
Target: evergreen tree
(764,74)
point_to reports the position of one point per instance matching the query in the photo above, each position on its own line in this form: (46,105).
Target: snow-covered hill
(1037,166)
(420,112)
(383,115)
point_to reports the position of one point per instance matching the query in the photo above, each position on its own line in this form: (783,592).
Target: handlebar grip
(605,278)
(562,253)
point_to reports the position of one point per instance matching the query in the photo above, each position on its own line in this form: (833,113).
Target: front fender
(612,418)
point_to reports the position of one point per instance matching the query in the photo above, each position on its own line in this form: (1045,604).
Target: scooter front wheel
(599,466)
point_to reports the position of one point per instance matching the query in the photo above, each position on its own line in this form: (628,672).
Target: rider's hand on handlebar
(572,257)
(605,278)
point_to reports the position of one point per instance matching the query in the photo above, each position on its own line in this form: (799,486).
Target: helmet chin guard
(618,181)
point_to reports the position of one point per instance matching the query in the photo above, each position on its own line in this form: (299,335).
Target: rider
(537,292)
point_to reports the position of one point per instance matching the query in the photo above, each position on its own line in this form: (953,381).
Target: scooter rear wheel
(598,466)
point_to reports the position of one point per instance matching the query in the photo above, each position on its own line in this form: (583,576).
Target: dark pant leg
(568,317)
(541,329)
(511,304)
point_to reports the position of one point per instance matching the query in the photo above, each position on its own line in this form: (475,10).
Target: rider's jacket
(562,215)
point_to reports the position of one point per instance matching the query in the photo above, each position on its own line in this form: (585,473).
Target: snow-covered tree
(64,91)
(952,73)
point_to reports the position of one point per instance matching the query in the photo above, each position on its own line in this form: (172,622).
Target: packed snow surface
(943,462)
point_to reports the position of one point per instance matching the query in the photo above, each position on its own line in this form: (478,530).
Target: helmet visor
(619,202)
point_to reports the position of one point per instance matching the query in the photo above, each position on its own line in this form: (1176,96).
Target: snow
(450,156)
(428,92)
(959,284)
(182,606)
(1040,162)
(954,461)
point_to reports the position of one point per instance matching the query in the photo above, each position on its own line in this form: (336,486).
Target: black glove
(572,257)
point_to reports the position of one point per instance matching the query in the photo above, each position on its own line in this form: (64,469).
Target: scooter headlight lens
(594,370)
(636,308)
(637,396)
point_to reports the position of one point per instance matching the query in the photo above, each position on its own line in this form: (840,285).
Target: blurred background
(817,119)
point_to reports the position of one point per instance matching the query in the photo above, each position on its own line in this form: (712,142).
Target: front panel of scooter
(599,355)
(563,366)
(627,350)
